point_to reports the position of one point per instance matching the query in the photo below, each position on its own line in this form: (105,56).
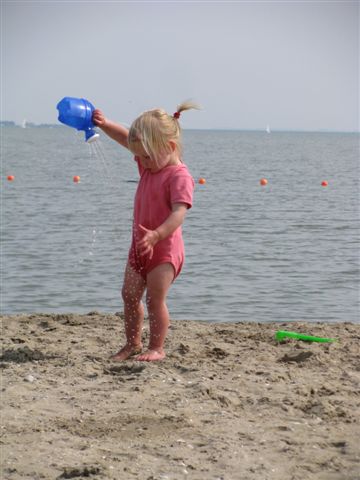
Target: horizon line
(30,124)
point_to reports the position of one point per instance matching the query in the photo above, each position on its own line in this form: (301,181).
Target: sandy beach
(229,402)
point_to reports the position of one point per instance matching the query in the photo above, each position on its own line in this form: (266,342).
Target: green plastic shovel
(282,334)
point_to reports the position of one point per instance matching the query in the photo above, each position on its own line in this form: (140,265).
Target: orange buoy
(202,181)
(11,178)
(76,179)
(324,183)
(263,181)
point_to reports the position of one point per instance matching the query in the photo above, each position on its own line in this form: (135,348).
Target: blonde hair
(155,129)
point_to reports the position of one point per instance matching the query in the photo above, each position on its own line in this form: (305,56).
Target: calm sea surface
(287,251)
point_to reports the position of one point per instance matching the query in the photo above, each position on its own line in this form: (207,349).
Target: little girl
(163,196)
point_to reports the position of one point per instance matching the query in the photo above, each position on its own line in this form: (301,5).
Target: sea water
(287,251)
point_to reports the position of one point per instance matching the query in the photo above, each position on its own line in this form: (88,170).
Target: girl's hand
(147,243)
(98,118)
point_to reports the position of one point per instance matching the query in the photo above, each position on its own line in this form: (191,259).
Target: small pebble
(29,378)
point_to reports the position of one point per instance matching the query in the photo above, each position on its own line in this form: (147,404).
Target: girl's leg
(158,282)
(132,292)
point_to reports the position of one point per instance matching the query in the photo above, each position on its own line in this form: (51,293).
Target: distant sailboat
(268,129)
(23,123)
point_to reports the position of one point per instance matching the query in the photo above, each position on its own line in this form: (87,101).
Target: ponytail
(187,105)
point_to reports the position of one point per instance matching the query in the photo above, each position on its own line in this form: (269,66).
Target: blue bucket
(77,113)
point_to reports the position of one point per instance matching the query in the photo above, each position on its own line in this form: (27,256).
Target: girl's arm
(114,130)
(152,237)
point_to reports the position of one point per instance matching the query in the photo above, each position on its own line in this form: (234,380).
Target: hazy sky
(293,65)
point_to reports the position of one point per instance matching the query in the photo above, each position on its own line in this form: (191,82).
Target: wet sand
(228,402)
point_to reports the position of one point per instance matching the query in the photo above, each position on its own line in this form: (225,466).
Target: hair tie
(176,115)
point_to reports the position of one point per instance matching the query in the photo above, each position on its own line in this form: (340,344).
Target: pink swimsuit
(154,197)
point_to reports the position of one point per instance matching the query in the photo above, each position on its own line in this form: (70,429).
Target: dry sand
(228,402)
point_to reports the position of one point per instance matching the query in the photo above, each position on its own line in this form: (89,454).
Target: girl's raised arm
(114,130)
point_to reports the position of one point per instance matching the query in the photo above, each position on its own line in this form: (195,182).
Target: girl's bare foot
(126,352)
(151,356)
